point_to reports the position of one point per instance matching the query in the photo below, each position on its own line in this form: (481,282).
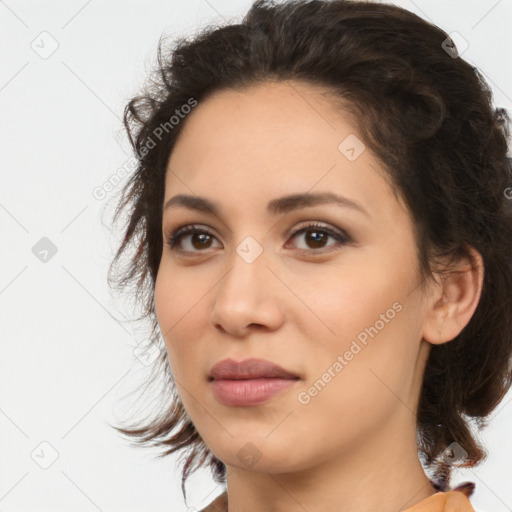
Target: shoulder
(455,500)
(219,504)
(447,501)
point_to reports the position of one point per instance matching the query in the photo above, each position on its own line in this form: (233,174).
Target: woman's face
(337,305)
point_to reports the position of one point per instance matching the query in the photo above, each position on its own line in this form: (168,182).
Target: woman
(322,237)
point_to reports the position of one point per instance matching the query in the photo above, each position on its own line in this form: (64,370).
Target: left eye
(315,236)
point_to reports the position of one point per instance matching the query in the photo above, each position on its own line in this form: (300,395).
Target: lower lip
(249,391)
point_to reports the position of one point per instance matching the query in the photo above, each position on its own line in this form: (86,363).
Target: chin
(260,454)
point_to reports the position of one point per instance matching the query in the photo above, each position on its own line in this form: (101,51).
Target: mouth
(249,382)
(245,392)
(248,369)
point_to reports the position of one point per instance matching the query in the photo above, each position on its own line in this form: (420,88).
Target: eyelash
(173,238)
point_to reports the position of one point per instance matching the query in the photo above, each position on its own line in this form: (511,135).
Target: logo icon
(454,454)
(44,455)
(454,45)
(44,250)
(45,45)
(249,455)
(351,147)
(249,249)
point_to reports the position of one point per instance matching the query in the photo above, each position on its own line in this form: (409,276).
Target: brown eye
(316,237)
(199,239)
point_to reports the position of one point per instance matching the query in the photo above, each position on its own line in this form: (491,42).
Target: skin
(352,447)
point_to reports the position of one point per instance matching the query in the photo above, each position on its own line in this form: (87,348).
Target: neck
(383,474)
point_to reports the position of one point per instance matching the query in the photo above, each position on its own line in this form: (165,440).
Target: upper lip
(248,369)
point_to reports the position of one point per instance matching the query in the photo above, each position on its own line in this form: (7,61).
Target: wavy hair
(429,117)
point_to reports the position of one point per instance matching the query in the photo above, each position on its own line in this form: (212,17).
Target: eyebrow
(279,205)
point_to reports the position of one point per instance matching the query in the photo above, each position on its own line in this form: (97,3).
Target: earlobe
(460,290)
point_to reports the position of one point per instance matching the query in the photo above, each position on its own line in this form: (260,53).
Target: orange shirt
(450,501)
(455,500)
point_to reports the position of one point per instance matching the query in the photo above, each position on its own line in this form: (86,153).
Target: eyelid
(327,226)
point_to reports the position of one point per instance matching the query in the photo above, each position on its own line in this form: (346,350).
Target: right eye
(199,238)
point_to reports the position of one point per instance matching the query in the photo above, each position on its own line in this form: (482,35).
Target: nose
(248,297)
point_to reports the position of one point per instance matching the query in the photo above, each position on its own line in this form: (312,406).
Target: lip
(249,382)
(248,369)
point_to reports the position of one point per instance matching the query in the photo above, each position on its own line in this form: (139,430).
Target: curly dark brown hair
(423,110)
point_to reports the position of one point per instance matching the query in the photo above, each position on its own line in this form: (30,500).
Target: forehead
(272,139)
(281,115)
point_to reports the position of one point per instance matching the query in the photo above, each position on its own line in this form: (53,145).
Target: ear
(454,300)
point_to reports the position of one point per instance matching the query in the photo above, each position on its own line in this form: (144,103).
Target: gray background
(67,353)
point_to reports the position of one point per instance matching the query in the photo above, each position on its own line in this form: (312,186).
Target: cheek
(366,316)
(345,304)
(179,309)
